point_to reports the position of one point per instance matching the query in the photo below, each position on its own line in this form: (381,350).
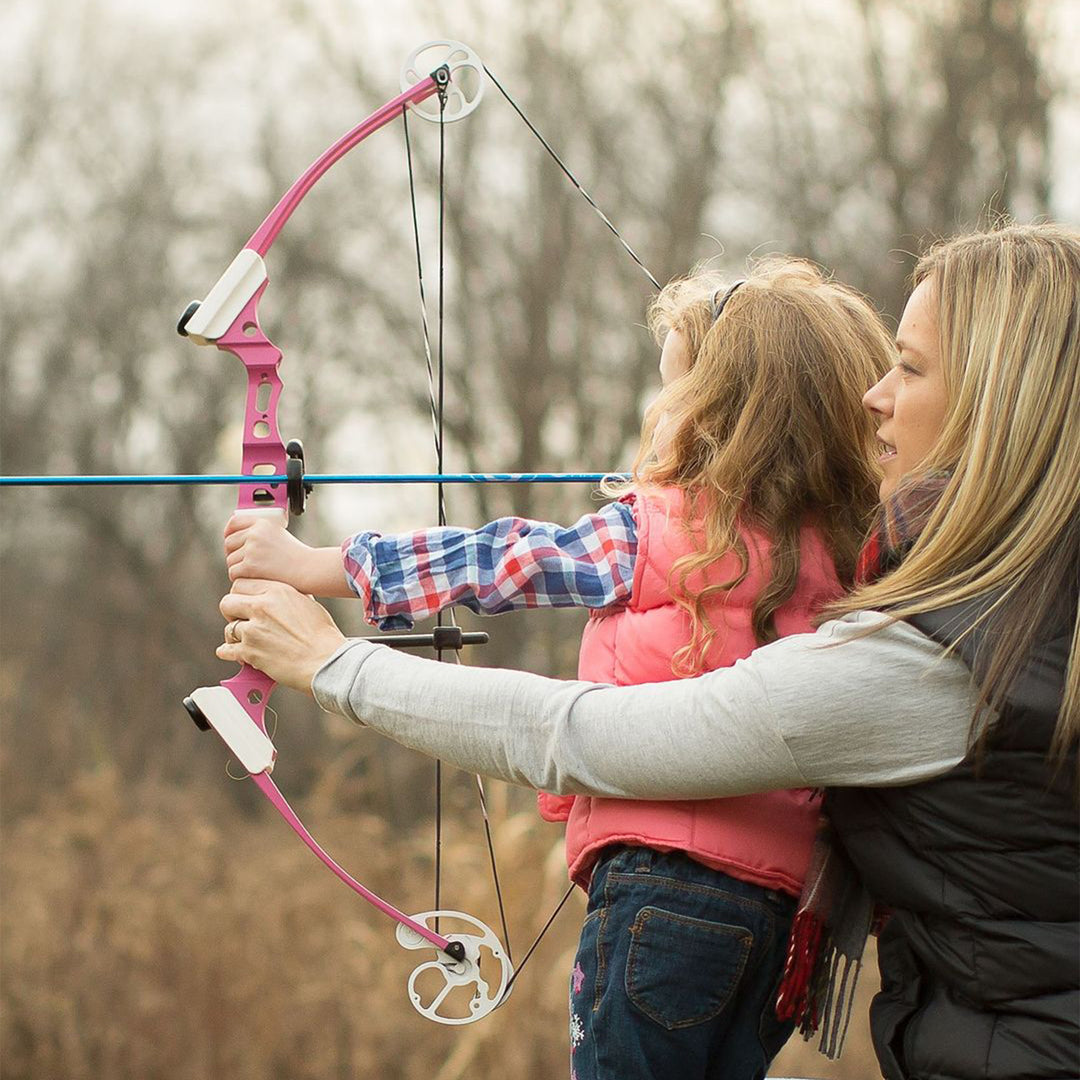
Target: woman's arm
(881,709)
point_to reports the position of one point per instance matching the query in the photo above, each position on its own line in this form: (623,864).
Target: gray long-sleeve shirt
(837,707)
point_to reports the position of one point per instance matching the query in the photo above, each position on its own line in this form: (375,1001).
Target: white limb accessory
(248,743)
(466,88)
(485,968)
(245,275)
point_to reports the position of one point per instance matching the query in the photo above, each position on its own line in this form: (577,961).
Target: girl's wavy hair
(766,430)
(1007,526)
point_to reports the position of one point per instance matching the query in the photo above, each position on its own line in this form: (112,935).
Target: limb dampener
(470,971)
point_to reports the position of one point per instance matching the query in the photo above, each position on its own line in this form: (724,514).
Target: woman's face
(909,403)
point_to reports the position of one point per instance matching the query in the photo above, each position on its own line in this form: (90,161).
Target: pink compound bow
(236,708)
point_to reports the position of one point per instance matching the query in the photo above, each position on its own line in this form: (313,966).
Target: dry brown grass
(147,936)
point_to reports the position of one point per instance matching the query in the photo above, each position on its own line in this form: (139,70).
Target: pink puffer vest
(764,839)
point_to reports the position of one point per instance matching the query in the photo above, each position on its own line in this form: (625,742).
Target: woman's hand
(256,547)
(278,630)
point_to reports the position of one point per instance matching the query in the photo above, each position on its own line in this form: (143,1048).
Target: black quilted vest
(980,963)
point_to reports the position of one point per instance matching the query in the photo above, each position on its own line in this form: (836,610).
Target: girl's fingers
(254,587)
(238,523)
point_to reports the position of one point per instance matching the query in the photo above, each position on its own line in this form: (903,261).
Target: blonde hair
(1007,527)
(765,430)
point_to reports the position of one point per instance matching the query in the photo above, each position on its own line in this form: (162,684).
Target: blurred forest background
(158,920)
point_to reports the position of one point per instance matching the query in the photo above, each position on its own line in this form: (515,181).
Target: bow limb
(270,790)
(228,318)
(267,232)
(226,304)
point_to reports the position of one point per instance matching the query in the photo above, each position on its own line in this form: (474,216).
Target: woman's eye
(907,369)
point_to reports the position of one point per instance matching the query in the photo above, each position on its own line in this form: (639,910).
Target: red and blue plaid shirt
(507,565)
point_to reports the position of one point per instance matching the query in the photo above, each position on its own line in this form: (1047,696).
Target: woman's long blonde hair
(1007,526)
(765,430)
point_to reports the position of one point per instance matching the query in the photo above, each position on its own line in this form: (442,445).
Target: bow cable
(571,177)
(437,399)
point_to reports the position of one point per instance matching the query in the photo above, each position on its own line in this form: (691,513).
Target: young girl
(748,502)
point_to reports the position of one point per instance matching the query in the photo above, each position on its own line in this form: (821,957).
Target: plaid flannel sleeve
(507,565)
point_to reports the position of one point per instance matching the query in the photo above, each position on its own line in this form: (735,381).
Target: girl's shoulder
(649,502)
(667,530)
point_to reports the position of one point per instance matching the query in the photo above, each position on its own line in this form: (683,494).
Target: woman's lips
(886,453)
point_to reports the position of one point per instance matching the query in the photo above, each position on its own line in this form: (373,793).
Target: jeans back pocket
(682,971)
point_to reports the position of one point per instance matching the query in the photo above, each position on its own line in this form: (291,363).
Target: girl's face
(909,402)
(674,358)
(674,363)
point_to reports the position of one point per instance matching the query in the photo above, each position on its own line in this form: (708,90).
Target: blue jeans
(676,972)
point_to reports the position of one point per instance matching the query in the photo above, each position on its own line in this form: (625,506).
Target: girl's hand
(257,547)
(278,630)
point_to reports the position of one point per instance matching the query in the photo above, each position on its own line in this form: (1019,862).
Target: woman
(941,707)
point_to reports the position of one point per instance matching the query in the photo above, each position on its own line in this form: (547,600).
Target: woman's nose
(879,398)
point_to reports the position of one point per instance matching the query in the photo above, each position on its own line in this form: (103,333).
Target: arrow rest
(295,486)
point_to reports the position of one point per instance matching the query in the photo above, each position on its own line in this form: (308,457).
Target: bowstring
(436,399)
(656,284)
(436,375)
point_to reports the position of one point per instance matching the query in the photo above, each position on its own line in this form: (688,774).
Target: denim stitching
(601,954)
(757,906)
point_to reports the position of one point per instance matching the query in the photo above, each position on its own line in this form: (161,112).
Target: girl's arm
(507,565)
(838,707)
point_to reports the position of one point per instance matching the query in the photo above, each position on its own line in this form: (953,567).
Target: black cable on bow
(436,395)
(446,627)
(571,177)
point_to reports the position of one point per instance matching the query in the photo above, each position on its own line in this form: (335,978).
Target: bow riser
(224,708)
(252,689)
(263,447)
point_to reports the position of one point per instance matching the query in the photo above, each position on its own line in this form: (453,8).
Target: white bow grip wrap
(249,745)
(242,279)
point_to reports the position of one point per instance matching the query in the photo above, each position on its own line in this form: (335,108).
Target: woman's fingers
(278,630)
(235,604)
